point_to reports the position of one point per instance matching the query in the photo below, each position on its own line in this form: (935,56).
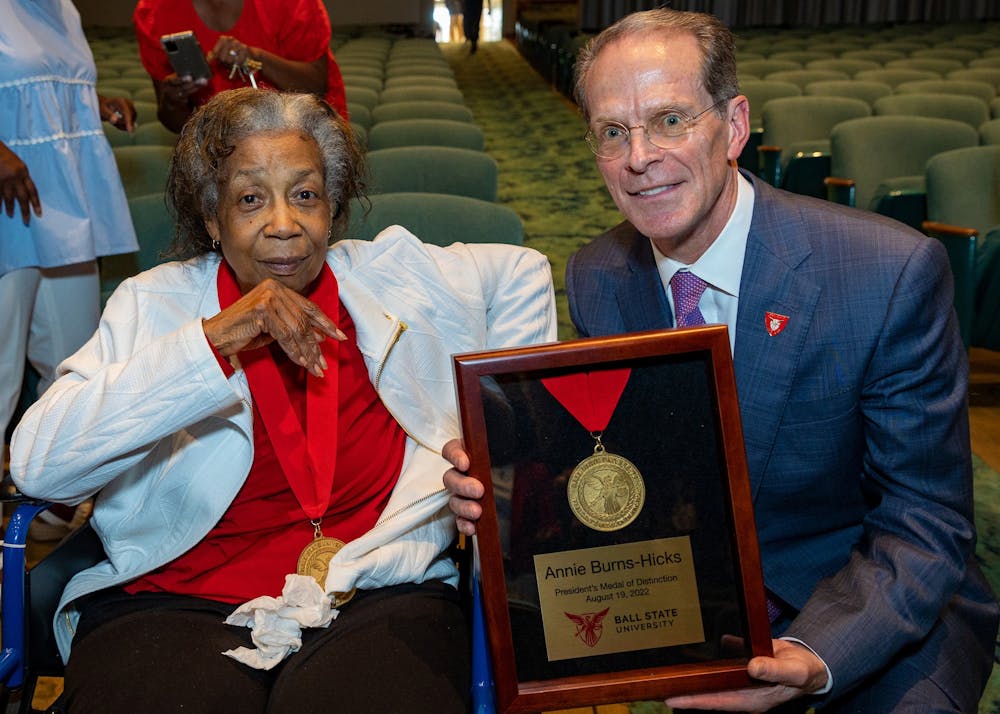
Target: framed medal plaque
(617,548)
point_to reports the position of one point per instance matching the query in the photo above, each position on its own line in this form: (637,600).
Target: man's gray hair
(718,50)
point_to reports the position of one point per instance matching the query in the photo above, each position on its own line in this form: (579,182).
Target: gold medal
(605,491)
(314,561)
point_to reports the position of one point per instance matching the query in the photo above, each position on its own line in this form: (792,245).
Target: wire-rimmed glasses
(609,140)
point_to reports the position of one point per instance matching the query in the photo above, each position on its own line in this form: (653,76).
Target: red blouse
(297,30)
(258,540)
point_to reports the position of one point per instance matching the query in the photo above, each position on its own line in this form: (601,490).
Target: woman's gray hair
(212,134)
(718,50)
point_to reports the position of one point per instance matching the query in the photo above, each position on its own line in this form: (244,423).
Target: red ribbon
(308,455)
(591,397)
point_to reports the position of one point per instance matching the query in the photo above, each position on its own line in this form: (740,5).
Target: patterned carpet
(547,175)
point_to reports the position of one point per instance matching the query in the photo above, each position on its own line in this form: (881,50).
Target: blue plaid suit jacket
(855,422)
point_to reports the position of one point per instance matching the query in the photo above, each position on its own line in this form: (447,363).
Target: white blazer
(143,416)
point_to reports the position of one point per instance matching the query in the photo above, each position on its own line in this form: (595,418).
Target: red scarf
(307,453)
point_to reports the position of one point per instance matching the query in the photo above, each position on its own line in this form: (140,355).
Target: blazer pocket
(819,445)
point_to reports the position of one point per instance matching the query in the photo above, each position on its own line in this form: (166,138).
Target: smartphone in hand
(185,55)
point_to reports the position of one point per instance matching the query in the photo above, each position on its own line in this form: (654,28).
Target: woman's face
(274,217)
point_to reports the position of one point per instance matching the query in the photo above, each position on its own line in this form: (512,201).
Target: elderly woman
(268,402)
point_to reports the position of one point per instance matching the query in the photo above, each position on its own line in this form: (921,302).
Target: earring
(216,245)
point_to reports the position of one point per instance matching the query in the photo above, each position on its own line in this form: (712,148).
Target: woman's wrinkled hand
(271,312)
(16,186)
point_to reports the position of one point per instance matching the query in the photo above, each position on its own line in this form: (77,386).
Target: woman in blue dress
(59,188)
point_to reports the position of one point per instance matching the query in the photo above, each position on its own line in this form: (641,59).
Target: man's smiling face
(680,197)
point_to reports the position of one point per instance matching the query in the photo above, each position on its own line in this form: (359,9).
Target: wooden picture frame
(594,592)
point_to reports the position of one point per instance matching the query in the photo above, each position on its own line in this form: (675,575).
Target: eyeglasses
(664,130)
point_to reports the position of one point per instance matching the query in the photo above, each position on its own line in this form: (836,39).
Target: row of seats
(795,131)
(550,42)
(902,120)
(905,131)
(429,171)
(404,81)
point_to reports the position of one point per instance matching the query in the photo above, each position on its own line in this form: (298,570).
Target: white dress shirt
(721,266)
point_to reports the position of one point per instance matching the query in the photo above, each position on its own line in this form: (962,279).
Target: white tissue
(277,622)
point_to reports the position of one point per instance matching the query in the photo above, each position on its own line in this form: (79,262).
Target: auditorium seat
(433,169)
(839,64)
(877,162)
(147,94)
(416,93)
(880,56)
(145,111)
(420,80)
(435,218)
(362,64)
(795,150)
(405,67)
(853,88)
(981,90)
(366,96)
(425,132)
(759,92)
(359,115)
(802,77)
(987,62)
(762,68)
(388,111)
(963,187)
(957,54)
(895,77)
(802,57)
(963,203)
(143,169)
(990,75)
(969,110)
(154,229)
(989,132)
(938,65)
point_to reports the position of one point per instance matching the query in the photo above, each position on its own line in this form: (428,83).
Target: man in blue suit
(850,370)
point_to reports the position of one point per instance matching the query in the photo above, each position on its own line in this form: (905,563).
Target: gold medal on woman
(605,491)
(314,561)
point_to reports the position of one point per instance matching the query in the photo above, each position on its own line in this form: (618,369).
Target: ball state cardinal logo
(774,322)
(589,627)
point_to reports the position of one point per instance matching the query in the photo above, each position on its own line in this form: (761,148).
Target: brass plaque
(619,598)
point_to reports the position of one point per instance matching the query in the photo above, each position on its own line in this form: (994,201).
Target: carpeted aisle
(547,173)
(548,176)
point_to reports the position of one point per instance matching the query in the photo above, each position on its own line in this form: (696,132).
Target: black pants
(402,648)
(473,13)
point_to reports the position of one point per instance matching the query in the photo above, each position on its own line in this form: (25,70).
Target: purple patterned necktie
(687,289)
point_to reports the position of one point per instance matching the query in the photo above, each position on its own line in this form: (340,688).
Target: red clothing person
(296,30)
